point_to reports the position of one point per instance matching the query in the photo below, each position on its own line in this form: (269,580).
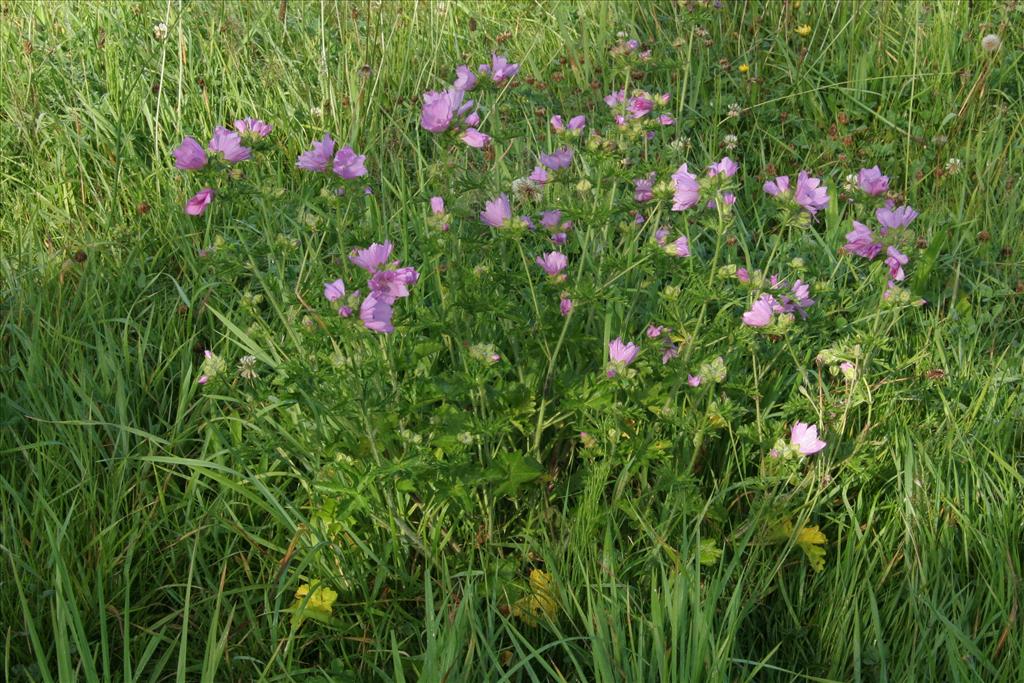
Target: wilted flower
(247,367)
(953,166)
(687,190)
(620,355)
(661,236)
(497,212)
(804,439)
(320,157)
(527,189)
(872,182)
(553,263)
(197,205)
(671,351)
(734,111)
(160,31)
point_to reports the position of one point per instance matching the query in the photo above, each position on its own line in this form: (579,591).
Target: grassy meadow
(473,496)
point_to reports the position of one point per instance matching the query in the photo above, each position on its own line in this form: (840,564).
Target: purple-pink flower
(334,290)
(539,175)
(198,203)
(559,159)
(500,69)
(892,217)
(189,155)
(229,144)
(439,108)
(778,186)
(393,284)
(810,193)
(687,190)
(620,355)
(671,351)
(497,212)
(465,78)
(654,331)
(693,380)
(348,164)
(320,157)
(437,205)
(639,107)
(726,167)
(565,306)
(552,263)
(254,127)
(804,438)
(576,124)
(615,98)
(760,314)
(895,260)
(376,312)
(475,138)
(666,120)
(644,191)
(872,182)
(373,257)
(861,241)
(679,248)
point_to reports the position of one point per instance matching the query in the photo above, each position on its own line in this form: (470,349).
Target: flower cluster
(387,283)
(224,149)
(450,110)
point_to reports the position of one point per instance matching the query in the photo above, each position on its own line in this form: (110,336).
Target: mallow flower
(475,138)
(895,260)
(376,312)
(373,257)
(872,182)
(620,355)
(687,190)
(256,128)
(229,144)
(861,241)
(804,439)
(500,70)
(760,314)
(644,188)
(679,248)
(334,290)
(348,164)
(810,194)
(497,212)
(189,155)
(726,167)
(320,157)
(198,203)
(893,217)
(559,159)
(553,263)
(465,78)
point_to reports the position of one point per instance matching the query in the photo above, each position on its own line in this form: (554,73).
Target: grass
(154,531)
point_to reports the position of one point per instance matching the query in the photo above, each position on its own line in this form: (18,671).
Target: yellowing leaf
(314,601)
(540,601)
(810,539)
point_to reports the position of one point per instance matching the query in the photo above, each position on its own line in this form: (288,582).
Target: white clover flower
(730,142)
(160,31)
(734,111)
(316,112)
(247,367)
(954,165)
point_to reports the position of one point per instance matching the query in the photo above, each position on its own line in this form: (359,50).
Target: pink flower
(896,261)
(197,205)
(437,205)
(861,241)
(229,144)
(465,78)
(256,128)
(760,314)
(565,306)
(334,290)
(872,182)
(576,124)
(687,190)
(778,186)
(680,248)
(497,212)
(475,138)
(644,188)
(666,120)
(439,108)
(671,351)
(893,218)
(559,159)
(189,155)
(348,164)
(804,438)
(552,263)
(393,284)
(661,236)
(726,167)
(320,157)
(693,380)
(539,175)
(621,355)
(810,193)
(373,257)
(500,68)
(742,275)
(654,331)
(617,97)
(376,313)
(639,107)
